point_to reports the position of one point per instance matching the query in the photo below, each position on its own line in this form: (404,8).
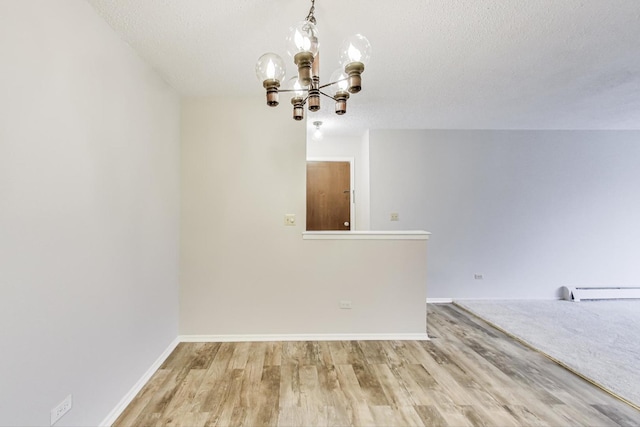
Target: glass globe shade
(270,67)
(298,89)
(342,79)
(303,37)
(355,48)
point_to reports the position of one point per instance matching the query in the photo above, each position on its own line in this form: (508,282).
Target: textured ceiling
(436,64)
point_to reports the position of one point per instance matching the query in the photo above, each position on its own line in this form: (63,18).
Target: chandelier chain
(311,17)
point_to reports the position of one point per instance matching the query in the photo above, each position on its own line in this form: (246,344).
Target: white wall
(89,207)
(530,210)
(242,271)
(356,147)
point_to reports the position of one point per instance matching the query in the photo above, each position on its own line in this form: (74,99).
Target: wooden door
(328,196)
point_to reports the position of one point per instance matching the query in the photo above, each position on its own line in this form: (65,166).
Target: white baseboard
(304,337)
(508,299)
(126,400)
(439,300)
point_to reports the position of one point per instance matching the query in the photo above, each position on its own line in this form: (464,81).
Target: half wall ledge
(366,235)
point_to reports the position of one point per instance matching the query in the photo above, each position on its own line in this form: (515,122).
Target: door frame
(352,183)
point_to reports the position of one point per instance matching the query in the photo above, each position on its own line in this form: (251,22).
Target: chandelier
(303,47)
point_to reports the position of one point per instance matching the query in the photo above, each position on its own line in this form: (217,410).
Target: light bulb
(270,67)
(355,48)
(339,90)
(298,91)
(298,98)
(342,84)
(270,71)
(302,45)
(317,133)
(355,52)
(303,37)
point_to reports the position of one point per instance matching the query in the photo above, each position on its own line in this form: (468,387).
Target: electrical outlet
(478,276)
(345,304)
(395,216)
(290,219)
(62,408)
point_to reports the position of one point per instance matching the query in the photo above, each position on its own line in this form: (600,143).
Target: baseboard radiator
(578,294)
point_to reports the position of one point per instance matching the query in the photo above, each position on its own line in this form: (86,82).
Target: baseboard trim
(439,300)
(303,337)
(126,400)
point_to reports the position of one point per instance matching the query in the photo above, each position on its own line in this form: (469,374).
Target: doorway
(330,195)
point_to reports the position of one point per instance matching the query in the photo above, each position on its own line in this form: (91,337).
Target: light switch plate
(290,219)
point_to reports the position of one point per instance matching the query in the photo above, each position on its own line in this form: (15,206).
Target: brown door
(328,196)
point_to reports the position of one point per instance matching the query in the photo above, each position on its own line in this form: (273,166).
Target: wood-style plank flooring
(469,374)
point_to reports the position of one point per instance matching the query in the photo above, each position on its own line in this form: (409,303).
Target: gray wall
(89,206)
(530,210)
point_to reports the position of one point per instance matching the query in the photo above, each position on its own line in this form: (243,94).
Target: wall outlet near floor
(61,409)
(478,276)
(290,219)
(345,304)
(395,216)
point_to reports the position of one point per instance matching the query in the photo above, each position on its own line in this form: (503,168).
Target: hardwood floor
(469,374)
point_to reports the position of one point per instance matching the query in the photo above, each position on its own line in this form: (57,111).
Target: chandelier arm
(328,96)
(293,90)
(332,83)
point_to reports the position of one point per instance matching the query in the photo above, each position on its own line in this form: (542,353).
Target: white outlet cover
(61,409)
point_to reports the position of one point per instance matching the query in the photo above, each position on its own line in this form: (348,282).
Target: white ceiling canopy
(436,64)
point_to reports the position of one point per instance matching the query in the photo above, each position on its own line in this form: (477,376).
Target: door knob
(346,223)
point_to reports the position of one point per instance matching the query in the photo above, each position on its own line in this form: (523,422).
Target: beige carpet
(598,339)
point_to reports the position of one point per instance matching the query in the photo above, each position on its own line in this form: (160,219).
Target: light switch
(290,219)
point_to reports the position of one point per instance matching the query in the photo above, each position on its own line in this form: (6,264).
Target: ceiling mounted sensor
(303,46)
